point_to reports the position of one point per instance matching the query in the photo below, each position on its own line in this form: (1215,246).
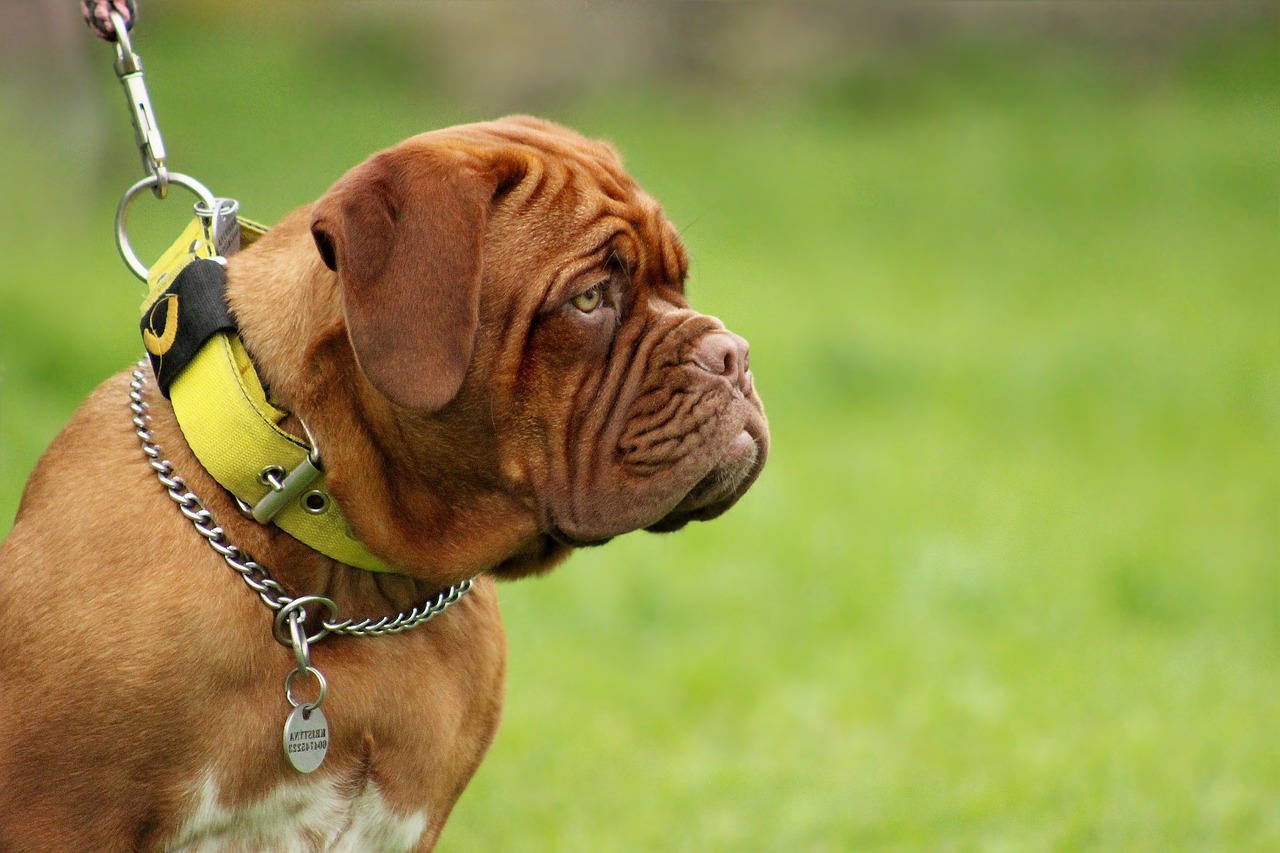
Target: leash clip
(146,132)
(218,214)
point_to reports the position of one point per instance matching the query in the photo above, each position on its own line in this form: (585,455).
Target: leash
(199,363)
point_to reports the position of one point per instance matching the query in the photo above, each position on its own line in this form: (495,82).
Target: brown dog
(485,330)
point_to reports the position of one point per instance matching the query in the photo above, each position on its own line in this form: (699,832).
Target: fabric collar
(222,408)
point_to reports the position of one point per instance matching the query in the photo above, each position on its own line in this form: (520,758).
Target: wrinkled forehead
(575,192)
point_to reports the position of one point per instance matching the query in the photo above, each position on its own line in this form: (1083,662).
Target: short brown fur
(420,319)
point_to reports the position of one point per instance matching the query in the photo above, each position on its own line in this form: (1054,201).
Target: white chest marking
(307,816)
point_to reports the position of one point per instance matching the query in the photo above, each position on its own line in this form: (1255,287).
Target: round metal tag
(306,738)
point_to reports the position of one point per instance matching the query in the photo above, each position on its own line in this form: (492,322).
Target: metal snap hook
(146,131)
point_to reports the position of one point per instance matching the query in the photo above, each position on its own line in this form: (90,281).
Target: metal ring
(282,616)
(211,214)
(288,688)
(122,232)
(220,207)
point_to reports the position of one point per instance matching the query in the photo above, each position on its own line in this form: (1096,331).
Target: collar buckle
(283,491)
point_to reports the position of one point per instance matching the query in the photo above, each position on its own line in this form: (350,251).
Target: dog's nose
(724,354)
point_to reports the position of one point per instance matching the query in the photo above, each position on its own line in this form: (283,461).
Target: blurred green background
(1011,580)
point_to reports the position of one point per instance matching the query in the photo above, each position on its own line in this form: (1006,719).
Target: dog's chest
(307,816)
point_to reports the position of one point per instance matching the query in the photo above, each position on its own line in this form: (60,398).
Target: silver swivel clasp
(218,213)
(146,132)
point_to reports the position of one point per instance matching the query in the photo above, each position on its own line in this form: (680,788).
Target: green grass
(1011,580)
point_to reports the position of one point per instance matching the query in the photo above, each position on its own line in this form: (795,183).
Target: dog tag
(306,738)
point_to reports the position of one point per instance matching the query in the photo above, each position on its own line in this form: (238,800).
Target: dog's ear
(404,231)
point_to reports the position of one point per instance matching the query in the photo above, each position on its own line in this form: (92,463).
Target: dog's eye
(588,301)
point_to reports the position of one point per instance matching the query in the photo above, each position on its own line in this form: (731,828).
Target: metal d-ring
(122,232)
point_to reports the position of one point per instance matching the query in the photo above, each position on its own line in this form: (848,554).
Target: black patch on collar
(183,317)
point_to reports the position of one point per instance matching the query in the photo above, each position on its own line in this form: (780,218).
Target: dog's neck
(406,489)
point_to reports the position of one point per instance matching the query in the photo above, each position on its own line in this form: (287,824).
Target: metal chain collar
(252,573)
(306,730)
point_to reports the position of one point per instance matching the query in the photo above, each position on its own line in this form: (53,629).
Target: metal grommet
(315,502)
(122,231)
(273,476)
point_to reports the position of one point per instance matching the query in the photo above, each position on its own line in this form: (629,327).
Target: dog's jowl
(471,356)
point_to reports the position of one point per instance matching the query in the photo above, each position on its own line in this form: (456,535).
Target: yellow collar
(234,430)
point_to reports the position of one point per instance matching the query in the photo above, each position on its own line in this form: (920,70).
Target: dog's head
(514,303)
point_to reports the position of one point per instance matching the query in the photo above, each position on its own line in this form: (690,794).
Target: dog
(480,336)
